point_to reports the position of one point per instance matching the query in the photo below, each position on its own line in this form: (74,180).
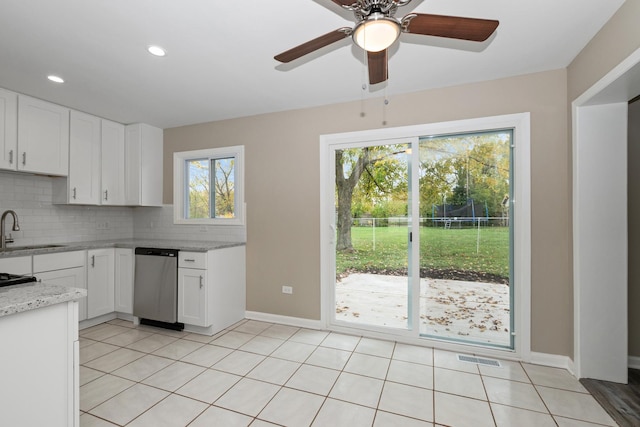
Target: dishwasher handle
(157,252)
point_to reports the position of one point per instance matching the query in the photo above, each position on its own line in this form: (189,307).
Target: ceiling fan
(377,29)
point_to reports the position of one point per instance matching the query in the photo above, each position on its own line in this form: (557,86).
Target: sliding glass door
(465,237)
(423,232)
(372,229)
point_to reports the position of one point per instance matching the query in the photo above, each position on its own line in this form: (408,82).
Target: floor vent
(479,360)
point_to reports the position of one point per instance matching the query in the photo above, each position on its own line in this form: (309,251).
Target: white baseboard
(96,320)
(634,362)
(284,320)
(553,361)
(545,359)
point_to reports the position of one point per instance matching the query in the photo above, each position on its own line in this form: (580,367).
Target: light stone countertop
(31,296)
(183,245)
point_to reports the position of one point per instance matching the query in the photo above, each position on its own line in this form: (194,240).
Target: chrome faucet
(16,227)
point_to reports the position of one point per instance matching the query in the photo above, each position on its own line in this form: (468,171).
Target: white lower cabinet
(64,268)
(211,288)
(192,296)
(40,367)
(124,280)
(18,265)
(100,282)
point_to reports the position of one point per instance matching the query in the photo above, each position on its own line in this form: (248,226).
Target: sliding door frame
(521,205)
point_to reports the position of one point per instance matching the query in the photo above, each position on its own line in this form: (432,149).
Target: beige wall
(618,39)
(282,188)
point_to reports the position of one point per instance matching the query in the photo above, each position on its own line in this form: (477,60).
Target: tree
(201,182)
(199,196)
(224,188)
(374,173)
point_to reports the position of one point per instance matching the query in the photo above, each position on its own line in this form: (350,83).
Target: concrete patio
(470,311)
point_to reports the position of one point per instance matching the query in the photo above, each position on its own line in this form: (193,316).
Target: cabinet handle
(93,261)
(106,194)
(24,158)
(201,282)
(189,260)
(11,157)
(74,193)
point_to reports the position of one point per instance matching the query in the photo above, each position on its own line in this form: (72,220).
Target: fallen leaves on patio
(449,308)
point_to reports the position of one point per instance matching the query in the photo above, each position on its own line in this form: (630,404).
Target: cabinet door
(8,129)
(143,165)
(192,297)
(18,265)
(124,281)
(100,282)
(84,159)
(73,277)
(112,163)
(43,137)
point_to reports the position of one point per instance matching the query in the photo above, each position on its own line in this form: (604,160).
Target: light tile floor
(263,374)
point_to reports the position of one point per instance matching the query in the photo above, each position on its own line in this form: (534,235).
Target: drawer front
(58,261)
(17,265)
(192,260)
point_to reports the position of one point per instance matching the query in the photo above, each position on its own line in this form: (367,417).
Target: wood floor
(621,401)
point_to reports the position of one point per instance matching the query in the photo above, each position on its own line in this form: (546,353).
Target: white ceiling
(220,53)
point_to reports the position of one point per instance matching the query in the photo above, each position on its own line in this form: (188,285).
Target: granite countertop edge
(185,245)
(31,296)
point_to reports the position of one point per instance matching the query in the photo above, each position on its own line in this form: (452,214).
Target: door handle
(93,261)
(11,157)
(201,282)
(106,194)
(74,193)
(24,158)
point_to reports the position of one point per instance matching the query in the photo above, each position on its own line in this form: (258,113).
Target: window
(208,186)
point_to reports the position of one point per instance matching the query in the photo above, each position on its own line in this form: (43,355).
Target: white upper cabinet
(112,163)
(43,137)
(143,165)
(84,159)
(8,129)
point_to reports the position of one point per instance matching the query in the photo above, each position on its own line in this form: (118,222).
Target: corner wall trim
(553,361)
(284,320)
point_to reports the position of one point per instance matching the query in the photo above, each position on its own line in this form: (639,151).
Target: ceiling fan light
(376,33)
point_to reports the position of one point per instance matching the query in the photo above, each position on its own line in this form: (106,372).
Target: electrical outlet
(287,290)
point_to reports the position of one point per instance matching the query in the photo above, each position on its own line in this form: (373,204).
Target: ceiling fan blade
(313,45)
(454,27)
(344,3)
(378,71)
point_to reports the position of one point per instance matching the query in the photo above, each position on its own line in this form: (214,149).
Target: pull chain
(385,102)
(364,82)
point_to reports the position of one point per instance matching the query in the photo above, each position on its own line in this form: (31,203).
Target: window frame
(180,191)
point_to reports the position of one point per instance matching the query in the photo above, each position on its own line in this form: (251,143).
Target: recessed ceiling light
(156,51)
(55,79)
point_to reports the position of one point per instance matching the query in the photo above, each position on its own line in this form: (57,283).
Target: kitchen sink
(30,247)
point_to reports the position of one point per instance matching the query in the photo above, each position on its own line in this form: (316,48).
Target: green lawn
(441,249)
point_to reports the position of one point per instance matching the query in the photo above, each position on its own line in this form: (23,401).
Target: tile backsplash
(157,223)
(42,222)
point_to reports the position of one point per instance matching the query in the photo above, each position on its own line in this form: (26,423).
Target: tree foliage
(373,181)
(459,168)
(201,181)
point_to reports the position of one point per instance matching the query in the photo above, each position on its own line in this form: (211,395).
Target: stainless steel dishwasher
(155,288)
